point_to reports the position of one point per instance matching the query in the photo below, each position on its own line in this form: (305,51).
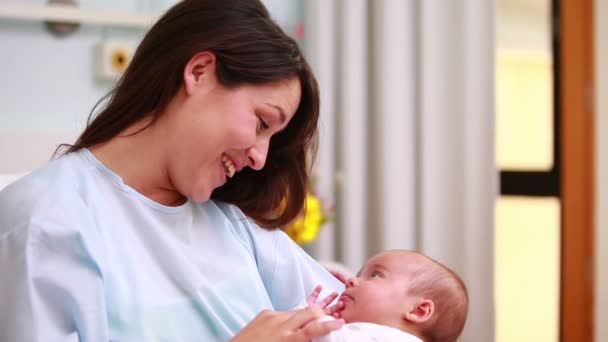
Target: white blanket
(366,332)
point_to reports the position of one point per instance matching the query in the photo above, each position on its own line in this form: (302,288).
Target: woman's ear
(200,72)
(421,312)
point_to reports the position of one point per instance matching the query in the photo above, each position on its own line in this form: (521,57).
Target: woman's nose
(257,154)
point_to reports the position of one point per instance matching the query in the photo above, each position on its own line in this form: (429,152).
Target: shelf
(70,14)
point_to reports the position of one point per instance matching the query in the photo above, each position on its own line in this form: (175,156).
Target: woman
(146,228)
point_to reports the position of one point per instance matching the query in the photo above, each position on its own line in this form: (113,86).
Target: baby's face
(379,292)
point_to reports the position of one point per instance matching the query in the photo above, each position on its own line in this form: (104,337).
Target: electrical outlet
(112,58)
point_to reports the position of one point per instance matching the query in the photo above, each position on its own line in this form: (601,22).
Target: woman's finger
(265,327)
(317,329)
(304,316)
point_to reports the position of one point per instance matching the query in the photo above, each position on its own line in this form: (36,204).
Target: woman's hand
(296,325)
(333,310)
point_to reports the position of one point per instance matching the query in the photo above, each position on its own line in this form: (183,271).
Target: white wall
(601,238)
(47,90)
(47,87)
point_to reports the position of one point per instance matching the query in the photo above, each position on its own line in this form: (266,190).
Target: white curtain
(407,135)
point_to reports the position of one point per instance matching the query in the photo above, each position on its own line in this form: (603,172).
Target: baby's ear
(422,311)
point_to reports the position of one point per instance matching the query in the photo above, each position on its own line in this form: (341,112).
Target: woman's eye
(262,124)
(376,275)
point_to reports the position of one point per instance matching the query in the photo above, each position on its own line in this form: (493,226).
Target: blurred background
(470,130)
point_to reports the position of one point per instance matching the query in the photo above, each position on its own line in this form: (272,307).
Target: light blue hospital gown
(84,257)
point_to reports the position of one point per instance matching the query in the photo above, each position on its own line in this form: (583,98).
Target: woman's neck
(140,161)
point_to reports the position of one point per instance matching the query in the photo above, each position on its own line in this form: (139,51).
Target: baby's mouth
(345,298)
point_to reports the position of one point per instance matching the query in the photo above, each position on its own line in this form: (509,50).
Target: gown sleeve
(51,287)
(288,272)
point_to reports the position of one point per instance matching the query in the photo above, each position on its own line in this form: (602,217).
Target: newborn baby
(399,296)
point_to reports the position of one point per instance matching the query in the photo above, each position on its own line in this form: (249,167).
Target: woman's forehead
(284,94)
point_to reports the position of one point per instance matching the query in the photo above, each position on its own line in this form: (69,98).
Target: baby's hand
(333,310)
(312,300)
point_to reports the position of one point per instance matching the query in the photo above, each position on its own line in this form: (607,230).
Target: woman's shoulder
(230,211)
(58,176)
(49,191)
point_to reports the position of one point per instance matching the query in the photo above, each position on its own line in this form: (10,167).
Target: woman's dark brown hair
(250,48)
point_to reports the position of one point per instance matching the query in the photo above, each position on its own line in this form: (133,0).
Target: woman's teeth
(229,166)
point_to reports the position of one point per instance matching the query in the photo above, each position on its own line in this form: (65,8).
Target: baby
(399,296)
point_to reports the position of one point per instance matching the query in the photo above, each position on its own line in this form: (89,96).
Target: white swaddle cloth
(366,332)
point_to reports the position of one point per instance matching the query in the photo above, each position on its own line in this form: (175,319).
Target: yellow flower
(305,228)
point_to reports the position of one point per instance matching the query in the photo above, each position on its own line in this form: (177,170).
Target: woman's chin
(200,196)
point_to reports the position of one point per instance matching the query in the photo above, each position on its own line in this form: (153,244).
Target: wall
(47,90)
(601,238)
(47,87)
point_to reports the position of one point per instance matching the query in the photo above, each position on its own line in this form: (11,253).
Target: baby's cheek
(348,313)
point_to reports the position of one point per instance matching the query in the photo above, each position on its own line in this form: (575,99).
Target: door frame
(577,181)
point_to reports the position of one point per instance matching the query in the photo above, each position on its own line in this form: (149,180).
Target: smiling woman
(148,226)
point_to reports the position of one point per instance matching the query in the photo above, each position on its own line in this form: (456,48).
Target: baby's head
(408,291)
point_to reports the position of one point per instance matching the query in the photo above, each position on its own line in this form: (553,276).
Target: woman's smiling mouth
(229,166)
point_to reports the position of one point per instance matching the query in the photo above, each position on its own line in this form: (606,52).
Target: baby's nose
(352,282)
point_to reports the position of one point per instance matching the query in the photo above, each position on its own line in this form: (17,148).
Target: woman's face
(216,131)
